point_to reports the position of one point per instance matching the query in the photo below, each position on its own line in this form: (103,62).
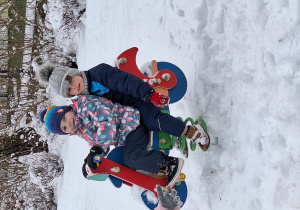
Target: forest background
(27,38)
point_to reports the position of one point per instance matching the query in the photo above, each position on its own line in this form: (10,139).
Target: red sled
(165,78)
(113,167)
(168,79)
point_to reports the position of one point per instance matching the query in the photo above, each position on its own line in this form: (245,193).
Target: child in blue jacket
(124,88)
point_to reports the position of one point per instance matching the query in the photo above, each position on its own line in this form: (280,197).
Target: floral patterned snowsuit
(101,122)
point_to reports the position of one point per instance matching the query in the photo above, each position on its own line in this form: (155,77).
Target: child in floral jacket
(103,123)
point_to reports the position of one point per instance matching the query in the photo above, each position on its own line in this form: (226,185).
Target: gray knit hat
(55,76)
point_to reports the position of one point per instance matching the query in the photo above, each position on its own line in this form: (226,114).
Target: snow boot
(196,133)
(171,167)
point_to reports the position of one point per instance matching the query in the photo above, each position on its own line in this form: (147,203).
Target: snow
(241,60)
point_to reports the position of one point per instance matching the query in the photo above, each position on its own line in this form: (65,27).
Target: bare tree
(21,97)
(23,94)
(19,190)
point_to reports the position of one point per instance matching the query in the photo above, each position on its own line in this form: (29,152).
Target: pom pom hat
(52,118)
(55,76)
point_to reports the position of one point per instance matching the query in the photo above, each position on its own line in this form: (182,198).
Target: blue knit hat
(52,118)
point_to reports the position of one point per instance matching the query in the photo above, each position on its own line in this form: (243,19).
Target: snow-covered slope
(241,60)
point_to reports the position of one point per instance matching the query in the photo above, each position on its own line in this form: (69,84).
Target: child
(103,123)
(102,80)
(124,88)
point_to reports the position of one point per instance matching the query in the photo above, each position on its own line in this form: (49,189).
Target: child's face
(67,123)
(76,86)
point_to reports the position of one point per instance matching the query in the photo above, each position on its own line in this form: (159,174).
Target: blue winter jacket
(116,85)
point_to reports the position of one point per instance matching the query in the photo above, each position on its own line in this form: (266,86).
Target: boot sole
(176,177)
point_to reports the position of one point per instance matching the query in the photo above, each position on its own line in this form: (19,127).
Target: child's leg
(155,120)
(136,155)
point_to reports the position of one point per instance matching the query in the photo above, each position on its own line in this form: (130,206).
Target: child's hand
(159,99)
(95,150)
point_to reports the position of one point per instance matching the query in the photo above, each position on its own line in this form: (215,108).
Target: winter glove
(168,198)
(95,156)
(159,99)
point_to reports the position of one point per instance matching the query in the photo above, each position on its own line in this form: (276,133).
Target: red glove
(159,100)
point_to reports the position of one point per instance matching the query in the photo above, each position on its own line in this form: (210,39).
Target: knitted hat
(52,118)
(56,77)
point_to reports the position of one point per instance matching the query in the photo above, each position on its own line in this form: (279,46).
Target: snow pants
(136,155)
(152,116)
(155,120)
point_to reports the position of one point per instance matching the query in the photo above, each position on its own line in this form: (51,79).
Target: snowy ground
(241,60)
